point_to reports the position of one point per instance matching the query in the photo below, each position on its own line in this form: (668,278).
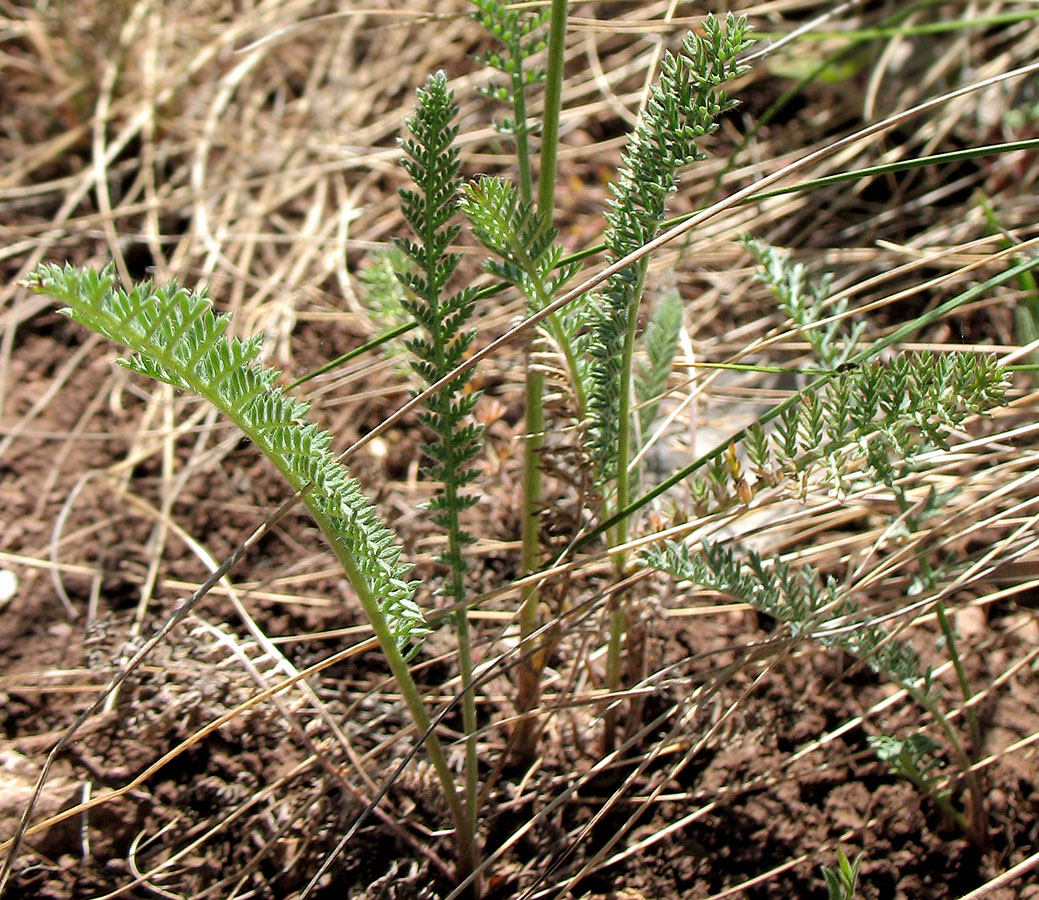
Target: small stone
(997,801)
(8,586)
(972,622)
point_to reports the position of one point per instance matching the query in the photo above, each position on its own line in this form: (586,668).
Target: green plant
(445,338)
(865,422)
(176,338)
(598,338)
(841,882)
(518,33)
(888,456)
(804,301)
(1026,310)
(861,422)
(520,36)
(683,107)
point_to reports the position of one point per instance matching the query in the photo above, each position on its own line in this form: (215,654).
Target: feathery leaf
(177,339)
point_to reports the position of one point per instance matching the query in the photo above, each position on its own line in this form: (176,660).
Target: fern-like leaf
(799,598)
(527,256)
(660,341)
(176,338)
(806,302)
(445,337)
(683,108)
(520,35)
(884,415)
(522,240)
(384,293)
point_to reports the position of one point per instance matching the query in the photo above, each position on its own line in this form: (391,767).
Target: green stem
(553,104)
(624,411)
(976,828)
(519,110)
(525,742)
(465,666)
(939,799)
(618,626)
(961,676)
(465,653)
(464,830)
(979,814)
(618,615)
(547,173)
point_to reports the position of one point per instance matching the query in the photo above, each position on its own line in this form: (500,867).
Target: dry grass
(252,146)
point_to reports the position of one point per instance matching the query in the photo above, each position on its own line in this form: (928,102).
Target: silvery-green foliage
(526,255)
(521,239)
(176,338)
(914,758)
(883,414)
(804,301)
(384,294)
(659,341)
(807,604)
(683,107)
(445,338)
(521,35)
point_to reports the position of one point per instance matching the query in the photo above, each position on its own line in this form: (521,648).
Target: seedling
(841,882)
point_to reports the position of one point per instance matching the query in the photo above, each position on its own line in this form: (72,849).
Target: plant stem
(619,536)
(553,104)
(465,653)
(529,676)
(978,810)
(527,691)
(465,667)
(961,676)
(519,108)
(939,799)
(976,828)
(624,422)
(465,832)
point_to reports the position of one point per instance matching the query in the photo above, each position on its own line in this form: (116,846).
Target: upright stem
(519,109)
(465,656)
(529,675)
(978,810)
(465,832)
(624,408)
(961,676)
(977,827)
(465,666)
(525,741)
(553,104)
(618,615)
